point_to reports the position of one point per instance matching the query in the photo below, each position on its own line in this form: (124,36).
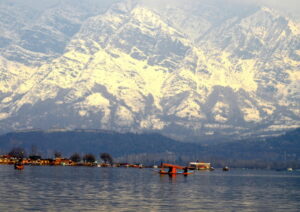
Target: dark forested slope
(283,148)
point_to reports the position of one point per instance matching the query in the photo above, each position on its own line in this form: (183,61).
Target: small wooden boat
(226,168)
(19,166)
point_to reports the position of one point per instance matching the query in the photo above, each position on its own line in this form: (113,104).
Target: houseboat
(200,166)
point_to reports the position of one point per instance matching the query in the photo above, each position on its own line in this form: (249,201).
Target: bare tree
(57,154)
(34,155)
(33,150)
(106,158)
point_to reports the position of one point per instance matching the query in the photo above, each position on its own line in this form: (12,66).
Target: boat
(173,170)
(225,168)
(200,166)
(19,166)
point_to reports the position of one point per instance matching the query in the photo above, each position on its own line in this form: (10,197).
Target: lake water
(121,189)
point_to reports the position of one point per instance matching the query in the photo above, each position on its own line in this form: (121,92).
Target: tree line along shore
(18,155)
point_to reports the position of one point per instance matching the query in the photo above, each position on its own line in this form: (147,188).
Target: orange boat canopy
(167,165)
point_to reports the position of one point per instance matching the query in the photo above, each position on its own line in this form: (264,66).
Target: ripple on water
(120,189)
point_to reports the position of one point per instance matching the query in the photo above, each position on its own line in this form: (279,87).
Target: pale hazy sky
(282,4)
(291,7)
(291,4)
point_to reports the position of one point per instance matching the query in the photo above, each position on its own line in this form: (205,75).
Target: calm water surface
(121,189)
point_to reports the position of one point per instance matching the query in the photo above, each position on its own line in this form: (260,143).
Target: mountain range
(196,71)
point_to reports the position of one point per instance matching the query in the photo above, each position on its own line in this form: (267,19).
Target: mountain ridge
(130,68)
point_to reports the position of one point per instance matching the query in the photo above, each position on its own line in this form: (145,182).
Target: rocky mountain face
(193,71)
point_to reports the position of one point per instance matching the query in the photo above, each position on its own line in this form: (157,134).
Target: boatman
(185,170)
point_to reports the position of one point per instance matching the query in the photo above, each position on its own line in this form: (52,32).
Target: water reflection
(117,189)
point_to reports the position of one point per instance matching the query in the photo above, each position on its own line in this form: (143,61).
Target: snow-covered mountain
(193,71)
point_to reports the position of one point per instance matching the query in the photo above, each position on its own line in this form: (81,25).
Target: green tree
(75,158)
(89,158)
(17,152)
(106,158)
